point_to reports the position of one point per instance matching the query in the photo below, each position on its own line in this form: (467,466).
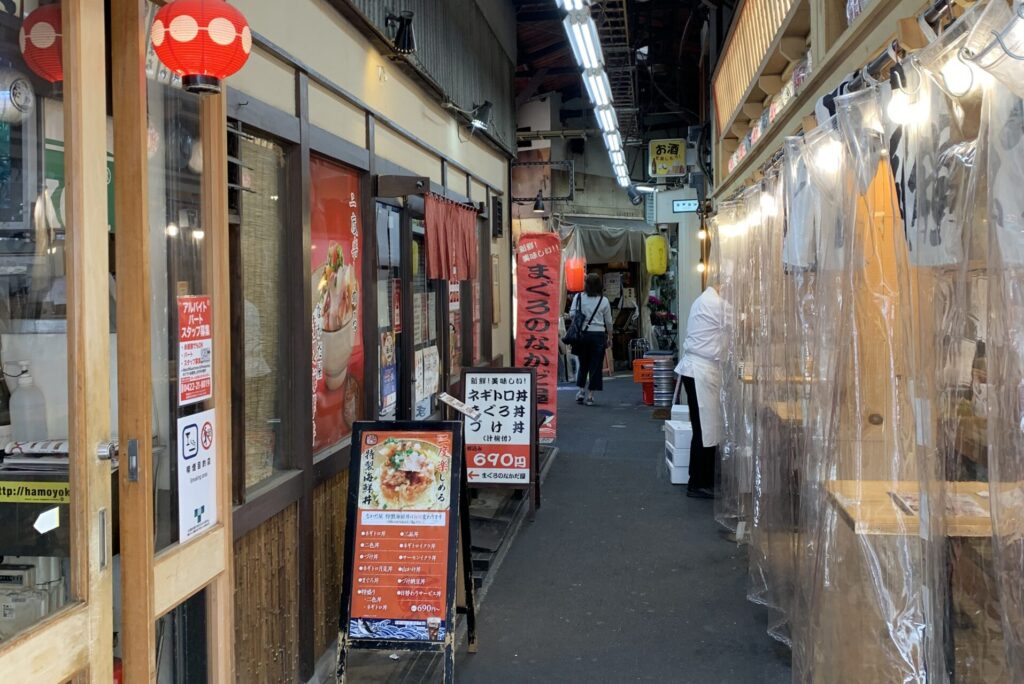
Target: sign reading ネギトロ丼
(400,551)
(499,445)
(195,349)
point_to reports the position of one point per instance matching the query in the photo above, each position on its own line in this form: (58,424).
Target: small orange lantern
(575,273)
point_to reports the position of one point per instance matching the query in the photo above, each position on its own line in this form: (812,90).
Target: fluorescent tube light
(597,88)
(592,43)
(607,120)
(623,181)
(613,141)
(618,157)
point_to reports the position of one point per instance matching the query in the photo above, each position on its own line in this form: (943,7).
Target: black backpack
(579,324)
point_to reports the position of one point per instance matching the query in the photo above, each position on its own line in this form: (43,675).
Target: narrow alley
(621,577)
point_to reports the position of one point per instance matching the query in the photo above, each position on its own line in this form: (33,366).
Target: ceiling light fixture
(586,45)
(598,87)
(480,115)
(613,141)
(538,204)
(405,39)
(607,120)
(635,198)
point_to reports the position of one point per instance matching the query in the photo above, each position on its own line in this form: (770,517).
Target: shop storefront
(203,293)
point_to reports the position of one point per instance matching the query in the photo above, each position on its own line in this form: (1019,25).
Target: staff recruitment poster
(538,278)
(400,545)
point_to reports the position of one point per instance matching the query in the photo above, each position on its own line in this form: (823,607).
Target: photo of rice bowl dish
(407,473)
(336,291)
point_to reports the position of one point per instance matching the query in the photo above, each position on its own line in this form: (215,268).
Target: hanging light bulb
(829,156)
(701,267)
(957,75)
(702,234)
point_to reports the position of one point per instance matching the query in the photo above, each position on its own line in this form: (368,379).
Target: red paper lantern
(41,42)
(203,41)
(575,274)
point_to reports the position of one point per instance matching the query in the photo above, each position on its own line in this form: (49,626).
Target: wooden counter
(869,508)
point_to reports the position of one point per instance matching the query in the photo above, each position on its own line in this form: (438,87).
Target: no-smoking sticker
(207,435)
(197,474)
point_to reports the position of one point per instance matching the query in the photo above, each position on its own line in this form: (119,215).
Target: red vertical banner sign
(538,275)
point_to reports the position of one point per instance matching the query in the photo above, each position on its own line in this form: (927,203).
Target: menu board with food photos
(336,262)
(400,544)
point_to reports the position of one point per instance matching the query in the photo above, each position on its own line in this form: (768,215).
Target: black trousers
(702,459)
(591,353)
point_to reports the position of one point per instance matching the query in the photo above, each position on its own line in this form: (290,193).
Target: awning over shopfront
(611,240)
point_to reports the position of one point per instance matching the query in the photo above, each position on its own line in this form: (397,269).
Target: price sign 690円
(500,443)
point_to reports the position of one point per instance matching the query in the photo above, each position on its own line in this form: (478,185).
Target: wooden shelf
(851,48)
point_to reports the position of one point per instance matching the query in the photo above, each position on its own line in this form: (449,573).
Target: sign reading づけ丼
(538,274)
(500,441)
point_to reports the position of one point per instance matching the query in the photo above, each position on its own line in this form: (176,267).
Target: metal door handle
(105,451)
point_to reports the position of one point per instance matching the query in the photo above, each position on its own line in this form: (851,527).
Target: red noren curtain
(450,239)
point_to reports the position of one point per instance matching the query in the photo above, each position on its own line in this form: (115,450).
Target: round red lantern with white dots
(203,41)
(41,43)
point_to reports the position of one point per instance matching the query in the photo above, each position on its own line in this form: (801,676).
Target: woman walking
(596,336)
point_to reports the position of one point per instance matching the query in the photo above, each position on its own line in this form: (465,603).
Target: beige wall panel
(268,80)
(390,146)
(456,180)
(479,191)
(335,115)
(332,46)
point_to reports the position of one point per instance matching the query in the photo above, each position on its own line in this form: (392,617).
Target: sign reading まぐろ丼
(500,442)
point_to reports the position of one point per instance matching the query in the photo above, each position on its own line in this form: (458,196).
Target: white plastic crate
(678,433)
(681,412)
(677,456)
(677,474)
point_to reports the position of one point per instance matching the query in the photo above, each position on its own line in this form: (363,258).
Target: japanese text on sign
(400,560)
(498,442)
(195,349)
(538,275)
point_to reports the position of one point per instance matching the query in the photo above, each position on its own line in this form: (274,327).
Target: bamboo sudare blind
(746,50)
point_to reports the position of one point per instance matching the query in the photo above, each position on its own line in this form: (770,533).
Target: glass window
(257,200)
(455,330)
(427,371)
(389,319)
(35,539)
(337,320)
(182,312)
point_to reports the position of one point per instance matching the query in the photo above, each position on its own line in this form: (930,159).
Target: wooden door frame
(153,584)
(77,642)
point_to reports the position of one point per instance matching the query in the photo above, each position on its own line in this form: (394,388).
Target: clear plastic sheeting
(964,640)
(778,381)
(1001,377)
(734,236)
(859,605)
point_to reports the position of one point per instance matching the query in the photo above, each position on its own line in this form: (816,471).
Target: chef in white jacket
(700,369)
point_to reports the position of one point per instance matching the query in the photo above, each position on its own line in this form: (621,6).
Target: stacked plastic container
(678,433)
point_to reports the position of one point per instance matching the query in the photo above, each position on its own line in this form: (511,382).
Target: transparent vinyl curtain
(778,384)
(733,231)
(858,605)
